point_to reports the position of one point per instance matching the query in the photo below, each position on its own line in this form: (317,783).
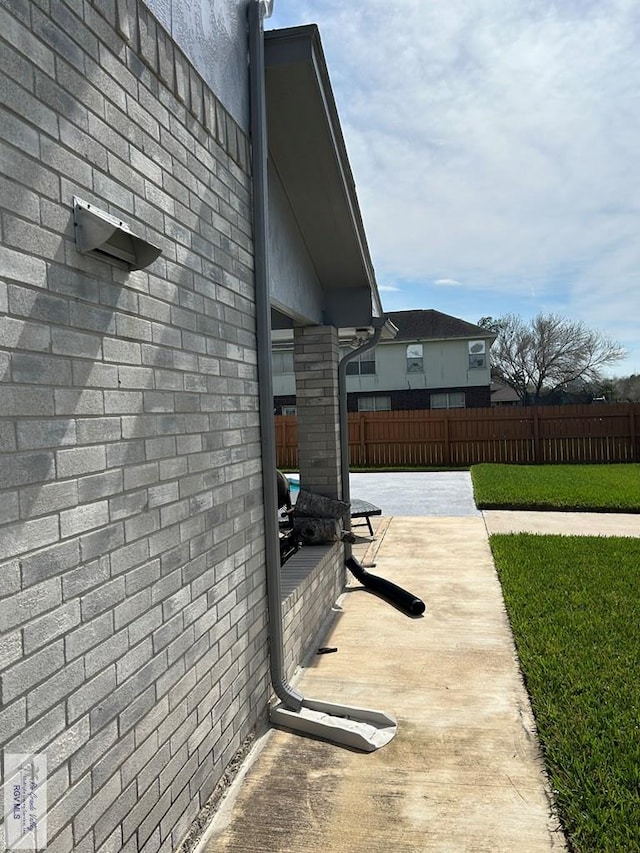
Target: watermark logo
(25,801)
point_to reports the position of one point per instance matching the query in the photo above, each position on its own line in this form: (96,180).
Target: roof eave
(307,148)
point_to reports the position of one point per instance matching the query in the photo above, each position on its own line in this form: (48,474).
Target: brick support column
(316,356)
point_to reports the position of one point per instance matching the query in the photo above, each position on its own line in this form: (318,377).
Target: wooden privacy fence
(598,433)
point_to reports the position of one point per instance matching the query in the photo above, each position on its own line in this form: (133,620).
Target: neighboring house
(435,361)
(138,532)
(504,395)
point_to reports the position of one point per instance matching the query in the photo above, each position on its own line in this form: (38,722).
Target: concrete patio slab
(463,773)
(417,493)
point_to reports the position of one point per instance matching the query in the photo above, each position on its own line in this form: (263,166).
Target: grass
(595,488)
(574,606)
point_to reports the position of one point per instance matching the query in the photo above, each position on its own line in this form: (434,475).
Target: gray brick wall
(132,603)
(316,357)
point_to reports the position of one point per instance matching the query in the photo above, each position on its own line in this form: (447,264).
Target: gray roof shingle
(429,324)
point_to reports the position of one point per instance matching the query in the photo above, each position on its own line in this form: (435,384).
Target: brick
(80,344)
(23,676)
(88,635)
(57,98)
(20,134)
(62,160)
(83,518)
(10,649)
(136,377)
(132,607)
(58,622)
(127,352)
(103,598)
(49,562)
(89,575)
(13,719)
(135,659)
(129,556)
(102,540)
(40,369)
(18,609)
(51,691)
(127,503)
(92,692)
(59,38)
(106,653)
(69,805)
(22,335)
(81,460)
(144,806)
(104,186)
(93,810)
(125,453)
(101,485)
(22,102)
(62,843)
(94,375)
(73,283)
(89,755)
(133,327)
(33,435)
(102,771)
(141,475)
(122,402)
(27,536)
(48,498)
(97,430)
(9,507)
(113,815)
(142,577)
(32,238)
(167,632)
(78,402)
(127,693)
(91,150)
(141,525)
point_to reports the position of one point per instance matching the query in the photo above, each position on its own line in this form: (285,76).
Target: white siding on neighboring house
(445,364)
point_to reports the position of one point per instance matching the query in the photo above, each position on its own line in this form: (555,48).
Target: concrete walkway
(563,523)
(463,773)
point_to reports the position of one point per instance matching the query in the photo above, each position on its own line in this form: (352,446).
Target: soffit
(307,148)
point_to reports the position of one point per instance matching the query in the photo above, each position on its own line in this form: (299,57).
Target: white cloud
(446,282)
(494,142)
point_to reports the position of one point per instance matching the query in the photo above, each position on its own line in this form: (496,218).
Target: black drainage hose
(405,601)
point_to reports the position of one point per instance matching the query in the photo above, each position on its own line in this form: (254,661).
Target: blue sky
(495,146)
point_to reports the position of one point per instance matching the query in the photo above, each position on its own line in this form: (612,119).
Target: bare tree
(549,353)
(627,388)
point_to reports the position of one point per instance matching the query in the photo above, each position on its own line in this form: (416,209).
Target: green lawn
(598,488)
(574,605)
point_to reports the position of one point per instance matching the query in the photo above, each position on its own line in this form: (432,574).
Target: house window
(449,400)
(282,362)
(415,359)
(289,410)
(378,403)
(363,365)
(477,354)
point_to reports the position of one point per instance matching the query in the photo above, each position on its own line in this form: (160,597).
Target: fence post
(364,461)
(536,435)
(447,443)
(632,431)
